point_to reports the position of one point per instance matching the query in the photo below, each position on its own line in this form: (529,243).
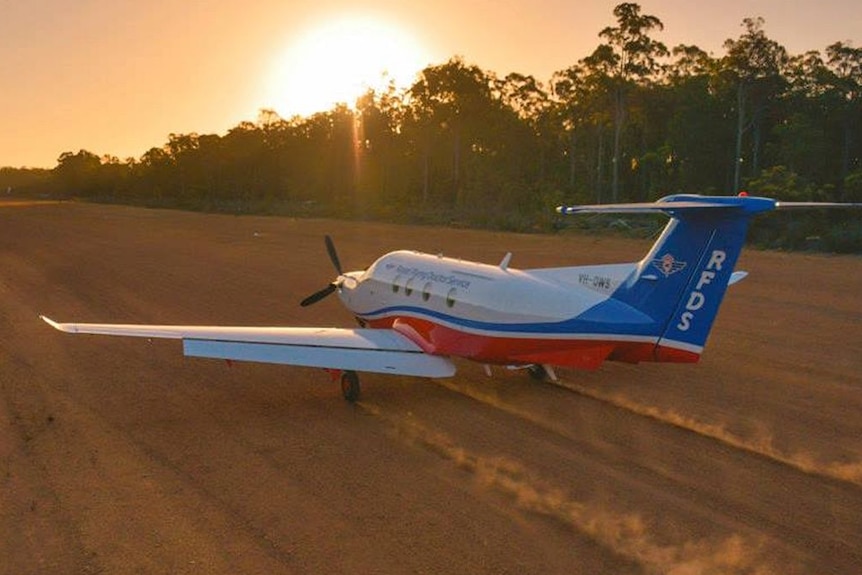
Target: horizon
(185,70)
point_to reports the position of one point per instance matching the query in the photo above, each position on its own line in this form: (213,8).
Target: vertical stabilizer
(680,283)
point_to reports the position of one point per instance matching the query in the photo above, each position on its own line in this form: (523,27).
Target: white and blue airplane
(419,311)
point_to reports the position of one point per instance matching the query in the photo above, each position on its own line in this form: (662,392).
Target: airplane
(417,312)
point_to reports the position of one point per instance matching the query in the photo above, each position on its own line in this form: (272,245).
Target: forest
(634,120)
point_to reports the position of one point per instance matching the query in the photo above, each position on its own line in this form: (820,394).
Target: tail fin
(681,282)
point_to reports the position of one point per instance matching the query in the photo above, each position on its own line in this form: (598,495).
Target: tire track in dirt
(845,472)
(849,472)
(836,529)
(624,534)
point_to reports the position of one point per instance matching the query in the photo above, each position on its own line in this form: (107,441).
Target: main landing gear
(350,388)
(349,380)
(541,372)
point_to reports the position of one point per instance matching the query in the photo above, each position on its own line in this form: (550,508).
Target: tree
(845,64)
(77,173)
(448,105)
(753,66)
(695,132)
(631,57)
(582,92)
(381,177)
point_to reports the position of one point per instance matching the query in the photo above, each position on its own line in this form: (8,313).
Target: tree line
(634,120)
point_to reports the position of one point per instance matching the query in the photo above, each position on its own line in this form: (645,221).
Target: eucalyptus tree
(801,141)
(77,173)
(449,107)
(243,162)
(845,65)
(328,155)
(696,134)
(631,57)
(522,128)
(153,175)
(582,96)
(753,67)
(381,174)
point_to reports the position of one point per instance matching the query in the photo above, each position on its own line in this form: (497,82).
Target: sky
(116,77)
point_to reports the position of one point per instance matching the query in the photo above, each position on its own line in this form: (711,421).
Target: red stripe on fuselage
(437,339)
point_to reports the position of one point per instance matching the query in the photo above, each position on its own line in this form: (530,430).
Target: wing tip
(56,325)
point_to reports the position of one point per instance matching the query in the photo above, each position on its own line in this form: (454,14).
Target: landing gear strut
(541,372)
(537,372)
(350,386)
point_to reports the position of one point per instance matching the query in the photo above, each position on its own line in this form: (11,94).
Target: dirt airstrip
(122,456)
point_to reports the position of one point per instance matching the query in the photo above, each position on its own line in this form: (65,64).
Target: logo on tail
(667,264)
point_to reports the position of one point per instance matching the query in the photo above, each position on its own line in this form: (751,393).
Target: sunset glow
(117,78)
(338,61)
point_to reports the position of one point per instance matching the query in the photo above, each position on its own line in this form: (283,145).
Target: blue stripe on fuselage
(608,317)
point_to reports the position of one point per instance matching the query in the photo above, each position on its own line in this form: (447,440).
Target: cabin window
(408,287)
(450,297)
(426,292)
(395,284)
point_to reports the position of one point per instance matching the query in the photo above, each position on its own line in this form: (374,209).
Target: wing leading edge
(372,350)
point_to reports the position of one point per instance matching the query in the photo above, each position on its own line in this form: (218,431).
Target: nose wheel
(350,386)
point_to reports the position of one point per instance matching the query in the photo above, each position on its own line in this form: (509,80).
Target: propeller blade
(319,295)
(333,255)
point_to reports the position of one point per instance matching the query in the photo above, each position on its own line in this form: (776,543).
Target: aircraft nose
(347,284)
(349,281)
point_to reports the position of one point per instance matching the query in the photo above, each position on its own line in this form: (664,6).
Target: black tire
(350,387)
(538,372)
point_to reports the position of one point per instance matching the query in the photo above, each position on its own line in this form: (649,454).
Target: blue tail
(680,283)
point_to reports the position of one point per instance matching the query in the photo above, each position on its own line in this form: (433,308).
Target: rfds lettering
(696,299)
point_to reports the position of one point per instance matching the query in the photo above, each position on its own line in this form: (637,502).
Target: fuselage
(497,314)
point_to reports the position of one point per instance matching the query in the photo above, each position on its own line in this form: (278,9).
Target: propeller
(333,255)
(328,290)
(319,295)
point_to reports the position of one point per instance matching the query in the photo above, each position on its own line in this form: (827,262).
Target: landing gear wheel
(350,386)
(538,372)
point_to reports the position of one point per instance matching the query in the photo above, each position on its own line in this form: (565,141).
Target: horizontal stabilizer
(813,205)
(679,203)
(638,208)
(737,277)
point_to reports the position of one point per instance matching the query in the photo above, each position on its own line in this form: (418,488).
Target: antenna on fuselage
(504,265)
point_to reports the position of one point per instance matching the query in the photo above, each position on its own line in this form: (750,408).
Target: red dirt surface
(121,456)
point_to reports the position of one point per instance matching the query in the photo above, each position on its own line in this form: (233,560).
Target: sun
(338,61)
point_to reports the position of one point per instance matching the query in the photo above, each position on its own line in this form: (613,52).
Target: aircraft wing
(372,350)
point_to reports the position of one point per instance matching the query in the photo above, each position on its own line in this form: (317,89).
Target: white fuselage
(494,314)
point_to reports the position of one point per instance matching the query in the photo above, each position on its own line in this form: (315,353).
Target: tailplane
(682,280)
